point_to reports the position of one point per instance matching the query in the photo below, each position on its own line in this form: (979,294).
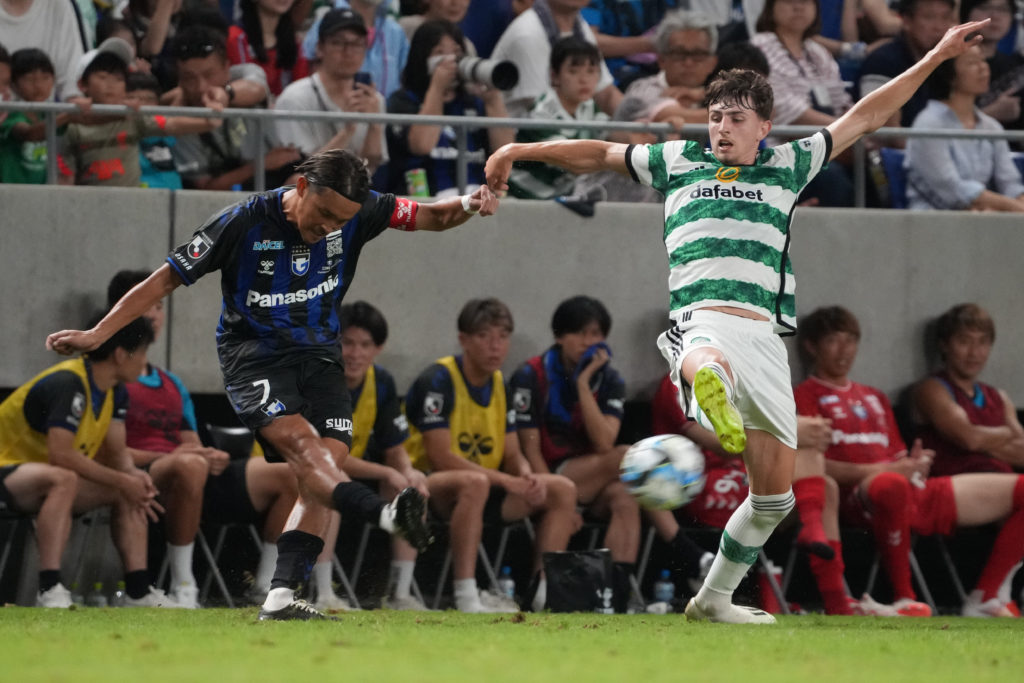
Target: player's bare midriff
(732,310)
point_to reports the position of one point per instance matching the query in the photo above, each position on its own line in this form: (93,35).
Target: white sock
(465,587)
(322,579)
(402,571)
(265,569)
(278,598)
(745,533)
(180,559)
(540,598)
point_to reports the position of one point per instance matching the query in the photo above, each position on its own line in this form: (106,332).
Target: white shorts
(763,390)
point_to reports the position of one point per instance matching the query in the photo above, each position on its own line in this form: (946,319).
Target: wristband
(465,205)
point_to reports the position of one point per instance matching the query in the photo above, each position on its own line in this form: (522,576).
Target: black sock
(136,583)
(621,586)
(296,553)
(687,554)
(357,501)
(48,578)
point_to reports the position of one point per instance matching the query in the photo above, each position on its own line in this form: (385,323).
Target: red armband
(404,215)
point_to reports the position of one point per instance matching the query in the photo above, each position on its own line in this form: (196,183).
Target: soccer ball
(663,472)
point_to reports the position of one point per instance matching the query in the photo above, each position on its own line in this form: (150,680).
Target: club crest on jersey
(433,403)
(521,399)
(78,405)
(198,247)
(300,260)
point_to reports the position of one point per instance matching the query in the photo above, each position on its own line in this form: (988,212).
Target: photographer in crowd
(423,157)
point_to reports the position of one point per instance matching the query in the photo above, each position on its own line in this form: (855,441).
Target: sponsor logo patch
(339,424)
(727,174)
(268,245)
(273,408)
(266,267)
(522,399)
(78,405)
(198,247)
(433,403)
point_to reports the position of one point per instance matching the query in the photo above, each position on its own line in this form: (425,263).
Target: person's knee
(473,487)
(562,493)
(188,471)
(62,482)
(889,491)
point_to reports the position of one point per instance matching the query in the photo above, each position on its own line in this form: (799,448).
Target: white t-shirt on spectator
(309,94)
(51,26)
(525,43)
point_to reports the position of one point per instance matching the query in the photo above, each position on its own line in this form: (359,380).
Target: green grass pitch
(224,645)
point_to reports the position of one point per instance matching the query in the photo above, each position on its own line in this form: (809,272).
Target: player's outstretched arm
(137,301)
(874,110)
(575,156)
(449,213)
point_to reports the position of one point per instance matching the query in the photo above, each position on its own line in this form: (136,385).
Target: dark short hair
(740,55)
(744,88)
(338,170)
(479,314)
(107,26)
(766,21)
(575,313)
(29,60)
(140,80)
(364,316)
(108,63)
(576,50)
(197,42)
(908,7)
(135,335)
(824,321)
(122,282)
(415,77)
(961,317)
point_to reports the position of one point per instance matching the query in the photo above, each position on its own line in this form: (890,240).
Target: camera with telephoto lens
(489,72)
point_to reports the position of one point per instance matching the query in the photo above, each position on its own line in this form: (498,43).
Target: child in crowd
(155,158)
(105,150)
(575,71)
(23,134)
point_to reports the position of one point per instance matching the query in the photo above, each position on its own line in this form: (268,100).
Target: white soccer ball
(663,472)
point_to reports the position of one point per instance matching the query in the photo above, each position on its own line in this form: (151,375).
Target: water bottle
(118,598)
(506,584)
(96,597)
(664,589)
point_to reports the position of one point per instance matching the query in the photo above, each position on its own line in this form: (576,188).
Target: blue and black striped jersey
(281,295)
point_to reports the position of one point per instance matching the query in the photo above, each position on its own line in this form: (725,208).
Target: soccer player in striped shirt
(727,217)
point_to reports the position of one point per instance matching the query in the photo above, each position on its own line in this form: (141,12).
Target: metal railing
(462,125)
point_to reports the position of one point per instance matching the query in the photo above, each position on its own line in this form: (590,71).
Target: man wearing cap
(104,150)
(222,159)
(340,51)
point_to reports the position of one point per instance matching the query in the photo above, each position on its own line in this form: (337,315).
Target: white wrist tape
(466,207)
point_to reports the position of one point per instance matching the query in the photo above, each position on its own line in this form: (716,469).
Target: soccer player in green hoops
(727,216)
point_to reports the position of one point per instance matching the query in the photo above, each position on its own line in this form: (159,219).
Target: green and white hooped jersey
(727,227)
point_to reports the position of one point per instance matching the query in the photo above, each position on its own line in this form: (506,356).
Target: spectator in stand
(625,33)
(948,173)
(924,24)
(341,51)
(461,421)
(735,18)
(220,160)
(447,10)
(23,134)
(685,43)
(807,85)
(156,155)
(431,86)
(388,48)
(569,404)
(971,426)
(527,41)
(50,26)
(5,75)
(105,150)
(267,37)
(196,482)
(486,20)
(62,452)
(1006,84)
(152,23)
(886,488)
(575,69)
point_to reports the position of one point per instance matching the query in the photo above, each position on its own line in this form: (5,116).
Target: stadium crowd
(549,440)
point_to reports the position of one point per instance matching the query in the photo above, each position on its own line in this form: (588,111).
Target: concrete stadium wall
(896,270)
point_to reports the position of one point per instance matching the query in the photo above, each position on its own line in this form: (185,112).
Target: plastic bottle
(664,589)
(96,597)
(506,584)
(117,599)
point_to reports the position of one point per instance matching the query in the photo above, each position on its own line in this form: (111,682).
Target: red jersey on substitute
(863,425)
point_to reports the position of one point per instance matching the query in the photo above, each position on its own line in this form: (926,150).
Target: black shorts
(6,498)
(312,387)
(226,499)
(492,508)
